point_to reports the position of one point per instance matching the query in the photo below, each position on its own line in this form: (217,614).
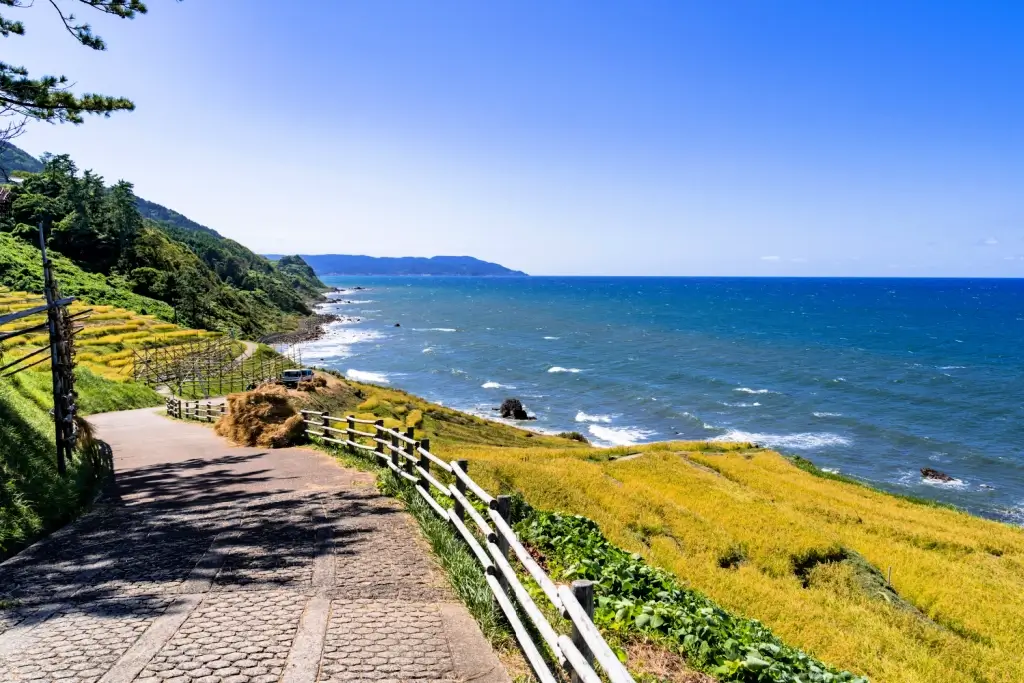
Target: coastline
(638,379)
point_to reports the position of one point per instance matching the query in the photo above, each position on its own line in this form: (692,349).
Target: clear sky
(660,138)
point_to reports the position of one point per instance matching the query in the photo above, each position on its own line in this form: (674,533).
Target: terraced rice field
(106,340)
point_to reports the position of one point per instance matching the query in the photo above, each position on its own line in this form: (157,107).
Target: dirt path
(218,564)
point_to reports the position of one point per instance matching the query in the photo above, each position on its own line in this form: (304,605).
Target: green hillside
(173,268)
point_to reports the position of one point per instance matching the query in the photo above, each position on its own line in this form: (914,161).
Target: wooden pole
(460,486)
(410,450)
(379,443)
(51,319)
(504,508)
(424,462)
(584,593)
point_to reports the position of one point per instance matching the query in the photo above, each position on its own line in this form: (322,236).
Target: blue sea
(874,378)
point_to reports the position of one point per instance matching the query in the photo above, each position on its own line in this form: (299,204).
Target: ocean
(874,378)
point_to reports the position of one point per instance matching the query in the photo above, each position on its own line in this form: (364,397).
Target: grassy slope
(21,269)
(802,553)
(33,498)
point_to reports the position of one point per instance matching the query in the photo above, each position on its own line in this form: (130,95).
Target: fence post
(209,412)
(503,505)
(460,486)
(424,462)
(410,450)
(323,423)
(379,441)
(349,433)
(584,593)
(394,448)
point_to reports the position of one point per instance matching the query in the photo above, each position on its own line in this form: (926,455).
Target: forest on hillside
(209,281)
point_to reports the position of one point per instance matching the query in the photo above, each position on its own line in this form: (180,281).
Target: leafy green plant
(633,596)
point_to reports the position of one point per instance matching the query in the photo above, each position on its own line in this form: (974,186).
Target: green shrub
(633,596)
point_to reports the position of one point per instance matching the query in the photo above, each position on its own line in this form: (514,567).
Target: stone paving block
(79,643)
(385,641)
(274,546)
(244,636)
(379,553)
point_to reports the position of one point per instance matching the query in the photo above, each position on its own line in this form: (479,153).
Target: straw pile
(262,417)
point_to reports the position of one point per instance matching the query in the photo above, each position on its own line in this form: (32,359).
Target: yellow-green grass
(806,555)
(107,343)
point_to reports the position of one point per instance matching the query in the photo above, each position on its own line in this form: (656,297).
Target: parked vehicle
(291,378)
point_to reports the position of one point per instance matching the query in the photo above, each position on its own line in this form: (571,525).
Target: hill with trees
(339,264)
(121,251)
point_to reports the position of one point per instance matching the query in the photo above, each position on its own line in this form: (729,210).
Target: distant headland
(340,264)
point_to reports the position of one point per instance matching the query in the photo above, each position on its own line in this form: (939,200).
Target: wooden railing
(490,537)
(201,411)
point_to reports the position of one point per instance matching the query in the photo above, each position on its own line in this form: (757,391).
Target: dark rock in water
(357,287)
(398,324)
(512,408)
(929,473)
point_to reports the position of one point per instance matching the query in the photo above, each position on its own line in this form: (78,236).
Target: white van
(291,378)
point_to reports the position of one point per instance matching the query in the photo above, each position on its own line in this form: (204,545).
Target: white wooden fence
(201,411)
(491,544)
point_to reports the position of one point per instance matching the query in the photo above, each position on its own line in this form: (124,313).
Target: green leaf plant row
(633,596)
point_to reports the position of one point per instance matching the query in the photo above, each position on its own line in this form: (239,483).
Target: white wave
(741,404)
(496,385)
(619,436)
(956,484)
(583,417)
(820,414)
(747,390)
(796,441)
(830,470)
(552,338)
(347,302)
(557,369)
(952,367)
(365,376)
(427,350)
(434,329)
(337,342)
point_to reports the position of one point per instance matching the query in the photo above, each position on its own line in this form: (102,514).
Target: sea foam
(434,329)
(496,385)
(365,376)
(798,441)
(747,390)
(583,417)
(619,436)
(557,369)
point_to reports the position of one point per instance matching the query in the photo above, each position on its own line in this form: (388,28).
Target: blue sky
(660,138)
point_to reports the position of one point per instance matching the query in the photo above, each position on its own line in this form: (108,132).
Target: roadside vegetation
(738,560)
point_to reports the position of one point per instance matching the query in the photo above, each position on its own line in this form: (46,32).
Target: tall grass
(807,555)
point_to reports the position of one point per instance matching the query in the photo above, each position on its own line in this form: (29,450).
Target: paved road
(218,564)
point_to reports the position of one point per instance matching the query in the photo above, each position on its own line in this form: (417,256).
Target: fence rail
(200,411)
(494,540)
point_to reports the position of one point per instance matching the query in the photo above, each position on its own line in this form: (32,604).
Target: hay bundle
(262,417)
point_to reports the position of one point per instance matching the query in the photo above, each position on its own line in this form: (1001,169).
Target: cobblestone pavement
(217,564)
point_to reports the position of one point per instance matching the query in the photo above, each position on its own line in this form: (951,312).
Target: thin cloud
(989,242)
(771,258)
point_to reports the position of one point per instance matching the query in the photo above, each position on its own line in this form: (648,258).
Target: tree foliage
(212,282)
